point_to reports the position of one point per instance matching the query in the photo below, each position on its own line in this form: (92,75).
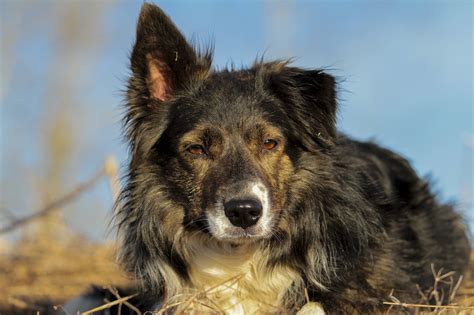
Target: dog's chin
(236,235)
(241,236)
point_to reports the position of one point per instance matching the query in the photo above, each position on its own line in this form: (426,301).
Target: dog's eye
(270,144)
(196,149)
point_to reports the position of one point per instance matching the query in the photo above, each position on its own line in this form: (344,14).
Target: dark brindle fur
(349,221)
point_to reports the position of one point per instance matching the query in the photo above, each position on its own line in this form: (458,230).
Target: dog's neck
(236,279)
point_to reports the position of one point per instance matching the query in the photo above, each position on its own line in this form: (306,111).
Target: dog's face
(224,147)
(228,156)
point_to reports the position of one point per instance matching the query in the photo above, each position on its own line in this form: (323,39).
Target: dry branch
(55,205)
(455,307)
(109,305)
(111,170)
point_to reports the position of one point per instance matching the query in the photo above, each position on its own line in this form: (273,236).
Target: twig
(198,295)
(455,289)
(55,204)
(455,307)
(306,295)
(8,214)
(435,294)
(128,304)
(424,299)
(393,299)
(109,305)
(111,171)
(56,307)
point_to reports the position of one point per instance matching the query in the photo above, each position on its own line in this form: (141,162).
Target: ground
(37,272)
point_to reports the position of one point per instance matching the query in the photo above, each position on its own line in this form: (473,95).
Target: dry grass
(35,271)
(460,295)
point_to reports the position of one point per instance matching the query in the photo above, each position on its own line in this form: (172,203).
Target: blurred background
(405,71)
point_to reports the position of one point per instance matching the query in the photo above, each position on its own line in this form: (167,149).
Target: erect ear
(162,57)
(309,98)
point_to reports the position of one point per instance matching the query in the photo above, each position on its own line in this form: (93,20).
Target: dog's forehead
(230,101)
(229,84)
(227,97)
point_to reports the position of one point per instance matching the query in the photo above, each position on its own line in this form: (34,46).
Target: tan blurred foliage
(48,261)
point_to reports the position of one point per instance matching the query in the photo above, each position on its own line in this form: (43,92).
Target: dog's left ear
(162,57)
(319,92)
(309,98)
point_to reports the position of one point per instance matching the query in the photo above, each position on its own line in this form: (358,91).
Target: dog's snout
(243,213)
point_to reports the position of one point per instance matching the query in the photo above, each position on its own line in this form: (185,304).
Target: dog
(242,193)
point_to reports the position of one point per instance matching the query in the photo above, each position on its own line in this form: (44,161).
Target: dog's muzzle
(242,212)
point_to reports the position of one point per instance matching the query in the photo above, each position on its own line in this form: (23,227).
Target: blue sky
(405,71)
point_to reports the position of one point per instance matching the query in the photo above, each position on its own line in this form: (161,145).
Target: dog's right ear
(161,57)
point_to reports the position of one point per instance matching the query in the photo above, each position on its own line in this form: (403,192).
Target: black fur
(360,222)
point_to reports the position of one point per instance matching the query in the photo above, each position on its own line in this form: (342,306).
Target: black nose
(243,213)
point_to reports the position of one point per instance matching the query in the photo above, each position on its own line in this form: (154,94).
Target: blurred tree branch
(65,47)
(110,169)
(55,205)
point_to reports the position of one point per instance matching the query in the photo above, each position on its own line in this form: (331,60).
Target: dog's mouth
(231,234)
(232,230)
(239,235)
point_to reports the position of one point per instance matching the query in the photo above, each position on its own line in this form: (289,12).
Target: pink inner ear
(159,78)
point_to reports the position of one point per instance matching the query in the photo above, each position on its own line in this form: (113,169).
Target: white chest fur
(237,281)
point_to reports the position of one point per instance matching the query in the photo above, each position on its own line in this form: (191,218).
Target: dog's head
(223,143)
(215,153)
